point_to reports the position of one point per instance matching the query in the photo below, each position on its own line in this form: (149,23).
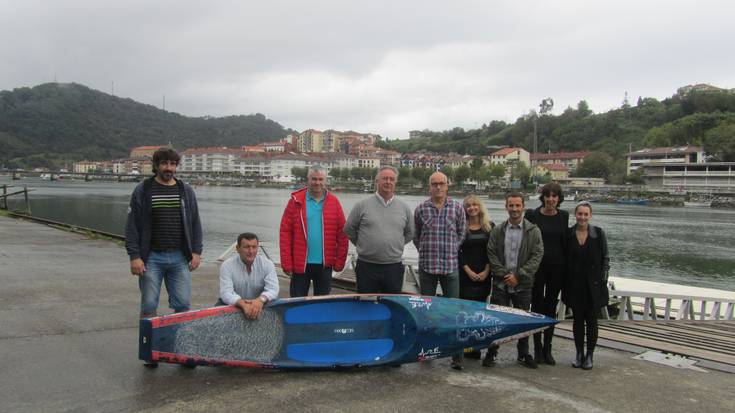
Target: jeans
(449,283)
(519,299)
(319,274)
(171,267)
(379,278)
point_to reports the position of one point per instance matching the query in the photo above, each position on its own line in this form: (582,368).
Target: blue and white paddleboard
(334,331)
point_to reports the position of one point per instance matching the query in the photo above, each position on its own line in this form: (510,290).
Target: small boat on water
(334,332)
(698,204)
(632,201)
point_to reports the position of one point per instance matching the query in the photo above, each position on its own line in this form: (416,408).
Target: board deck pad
(334,331)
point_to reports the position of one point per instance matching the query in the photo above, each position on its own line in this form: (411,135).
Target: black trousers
(519,299)
(320,275)
(585,316)
(379,278)
(545,297)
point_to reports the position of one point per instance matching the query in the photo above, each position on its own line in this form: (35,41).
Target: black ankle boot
(548,358)
(538,349)
(538,355)
(587,365)
(578,360)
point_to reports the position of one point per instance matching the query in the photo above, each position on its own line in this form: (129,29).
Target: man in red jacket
(311,237)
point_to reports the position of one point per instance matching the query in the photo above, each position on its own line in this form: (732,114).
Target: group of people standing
(523,262)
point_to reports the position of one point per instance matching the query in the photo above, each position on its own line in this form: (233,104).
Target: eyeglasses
(438,184)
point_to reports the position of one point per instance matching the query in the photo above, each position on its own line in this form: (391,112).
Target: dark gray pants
(519,299)
(379,278)
(318,274)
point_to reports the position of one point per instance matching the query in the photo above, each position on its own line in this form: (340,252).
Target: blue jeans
(173,267)
(449,283)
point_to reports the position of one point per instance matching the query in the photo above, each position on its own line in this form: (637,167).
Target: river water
(690,246)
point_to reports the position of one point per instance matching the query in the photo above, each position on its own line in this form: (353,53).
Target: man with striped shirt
(163,236)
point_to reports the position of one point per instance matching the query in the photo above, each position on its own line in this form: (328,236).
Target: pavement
(68,342)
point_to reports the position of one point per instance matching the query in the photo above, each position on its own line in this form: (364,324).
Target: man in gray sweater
(380,226)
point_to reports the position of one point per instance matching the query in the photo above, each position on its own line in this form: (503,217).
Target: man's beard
(166,176)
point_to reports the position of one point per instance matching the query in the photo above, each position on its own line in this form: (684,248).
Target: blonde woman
(474,268)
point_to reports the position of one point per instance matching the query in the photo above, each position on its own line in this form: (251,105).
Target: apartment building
(569,159)
(675,154)
(510,155)
(214,159)
(555,170)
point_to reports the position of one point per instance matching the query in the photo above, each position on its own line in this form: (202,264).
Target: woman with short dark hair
(585,289)
(553,223)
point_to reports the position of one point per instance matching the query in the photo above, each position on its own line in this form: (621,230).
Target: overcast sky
(384,67)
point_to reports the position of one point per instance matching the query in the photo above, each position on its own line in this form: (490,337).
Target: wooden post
(28,202)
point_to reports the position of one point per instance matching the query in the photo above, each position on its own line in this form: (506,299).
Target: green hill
(52,124)
(697,117)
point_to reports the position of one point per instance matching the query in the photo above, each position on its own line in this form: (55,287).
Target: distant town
(352,155)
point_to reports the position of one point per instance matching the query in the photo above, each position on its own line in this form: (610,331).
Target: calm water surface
(690,246)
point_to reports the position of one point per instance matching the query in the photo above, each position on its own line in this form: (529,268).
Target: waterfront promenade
(68,341)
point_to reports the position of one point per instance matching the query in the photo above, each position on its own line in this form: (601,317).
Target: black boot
(548,358)
(538,349)
(587,365)
(578,360)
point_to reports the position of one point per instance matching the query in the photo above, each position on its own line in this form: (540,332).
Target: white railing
(677,307)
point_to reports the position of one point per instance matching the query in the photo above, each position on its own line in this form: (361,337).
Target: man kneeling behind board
(247,280)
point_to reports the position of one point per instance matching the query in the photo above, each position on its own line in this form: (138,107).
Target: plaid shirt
(438,236)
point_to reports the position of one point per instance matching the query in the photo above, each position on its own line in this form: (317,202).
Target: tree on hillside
(719,142)
(522,173)
(462,174)
(449,172)
(421,175)
(300,172)
(476,166)
(595,165)
(404,173)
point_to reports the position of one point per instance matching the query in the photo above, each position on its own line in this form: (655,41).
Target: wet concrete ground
(68,341)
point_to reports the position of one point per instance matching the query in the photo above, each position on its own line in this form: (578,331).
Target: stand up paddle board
(334,331)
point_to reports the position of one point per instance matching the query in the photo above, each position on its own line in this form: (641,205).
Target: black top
(579,264)
(553,232)
(473,253)
(166,206)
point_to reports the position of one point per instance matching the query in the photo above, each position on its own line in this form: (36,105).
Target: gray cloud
(381,66)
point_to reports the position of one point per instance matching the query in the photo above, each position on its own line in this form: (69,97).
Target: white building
(676,154)
(510,155)
(215,159)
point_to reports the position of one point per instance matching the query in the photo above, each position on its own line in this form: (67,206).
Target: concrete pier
(68,341)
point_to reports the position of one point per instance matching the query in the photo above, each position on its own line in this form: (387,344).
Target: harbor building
(693,177)
(675,154)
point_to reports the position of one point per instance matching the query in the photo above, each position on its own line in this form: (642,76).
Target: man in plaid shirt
(440,229)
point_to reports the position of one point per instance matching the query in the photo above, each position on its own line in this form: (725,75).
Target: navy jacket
(139,224)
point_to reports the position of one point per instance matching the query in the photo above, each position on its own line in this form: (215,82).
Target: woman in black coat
(585,288)
(549,279)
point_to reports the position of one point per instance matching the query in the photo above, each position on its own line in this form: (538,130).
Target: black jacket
(139,224)
(594,278)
